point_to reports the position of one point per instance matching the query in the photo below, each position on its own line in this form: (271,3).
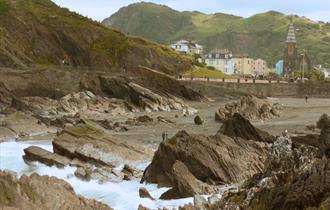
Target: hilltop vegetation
(38,32)
(261,35)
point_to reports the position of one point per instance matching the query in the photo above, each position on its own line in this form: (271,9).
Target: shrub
(4,7)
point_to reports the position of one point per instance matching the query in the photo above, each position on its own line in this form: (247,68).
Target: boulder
(198,120)
(83,173)
(238,126)
(250,108)
(323,122)
(42,192)
(35,153)
(184,184)
(215,159)
(143,193)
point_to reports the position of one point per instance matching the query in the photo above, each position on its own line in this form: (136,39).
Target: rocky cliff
(39,33)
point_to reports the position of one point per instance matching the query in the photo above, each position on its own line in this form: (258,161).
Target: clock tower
(290,54)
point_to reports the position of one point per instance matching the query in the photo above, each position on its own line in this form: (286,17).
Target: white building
(220,59)
(187,47)
(260,67)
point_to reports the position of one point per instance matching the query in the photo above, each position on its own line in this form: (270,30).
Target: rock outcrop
(237,126)
(249,107)
(41,192)
(185,184)
(21,124)
(143,193)
(211,160)
(34,153)
(99,153)
(139,96)
(295,177)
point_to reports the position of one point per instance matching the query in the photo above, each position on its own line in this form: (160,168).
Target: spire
(291,37)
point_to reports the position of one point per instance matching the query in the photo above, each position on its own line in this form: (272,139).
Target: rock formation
(249,107)
(295,177)
(238,126)
(212,160)
(34,153)
(41,192)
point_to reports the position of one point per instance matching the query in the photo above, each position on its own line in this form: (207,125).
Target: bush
(210,67)
(4,7)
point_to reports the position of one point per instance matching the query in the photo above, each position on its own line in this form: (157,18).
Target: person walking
(306,98)
(163,135)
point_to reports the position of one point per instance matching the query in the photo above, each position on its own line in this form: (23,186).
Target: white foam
(120,196)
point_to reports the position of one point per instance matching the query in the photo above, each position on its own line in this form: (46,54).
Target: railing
(229,80)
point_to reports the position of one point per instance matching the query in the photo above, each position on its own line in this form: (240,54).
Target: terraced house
(220,59)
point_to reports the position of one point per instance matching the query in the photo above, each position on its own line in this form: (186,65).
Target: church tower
(290,54)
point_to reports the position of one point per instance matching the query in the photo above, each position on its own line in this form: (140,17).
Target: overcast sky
(313,9)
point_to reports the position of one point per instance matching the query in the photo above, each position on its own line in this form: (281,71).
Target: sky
(313,9)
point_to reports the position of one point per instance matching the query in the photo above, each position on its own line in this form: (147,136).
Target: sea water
(120,196)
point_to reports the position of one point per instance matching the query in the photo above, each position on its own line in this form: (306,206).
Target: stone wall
(218,89)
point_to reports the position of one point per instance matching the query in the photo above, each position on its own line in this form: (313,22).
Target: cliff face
(38,32)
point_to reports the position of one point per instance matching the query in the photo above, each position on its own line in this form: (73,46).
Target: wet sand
(294,118)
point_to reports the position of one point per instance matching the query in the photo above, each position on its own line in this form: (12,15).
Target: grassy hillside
(38,32)
(262,35)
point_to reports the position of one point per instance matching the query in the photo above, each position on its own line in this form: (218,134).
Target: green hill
(261,35)
(38,32)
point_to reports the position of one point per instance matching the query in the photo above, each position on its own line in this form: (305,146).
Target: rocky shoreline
(259,164)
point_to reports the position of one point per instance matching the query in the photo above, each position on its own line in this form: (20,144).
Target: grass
(261,36)
(4,7)
(202,72)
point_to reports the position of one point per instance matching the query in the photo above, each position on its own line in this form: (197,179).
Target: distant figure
(166,135)
(306,98)
(163,136)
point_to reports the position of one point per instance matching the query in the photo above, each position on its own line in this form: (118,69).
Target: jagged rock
(144,119)
(184,183)
(35,153)
(249,107)
(211,159)
(238,126)
(323,122)
(89,143)
(199,202)
(164,120)
(82,173)
(42,192)
(198,120)
(128,169)
(142,208)
(143,193)
(325,140)
(141,97)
